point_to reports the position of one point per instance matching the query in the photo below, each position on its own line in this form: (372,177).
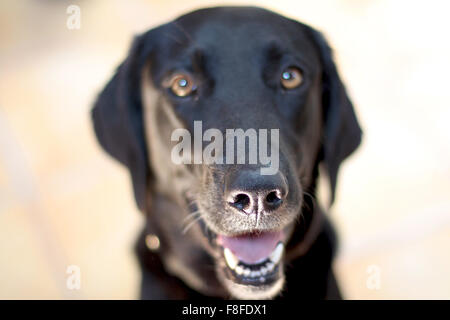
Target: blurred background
(64,202)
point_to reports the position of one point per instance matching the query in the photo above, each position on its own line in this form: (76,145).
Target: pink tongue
(251,248)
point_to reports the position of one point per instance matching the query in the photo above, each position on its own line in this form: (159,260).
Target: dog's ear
(342,133)
(118,120)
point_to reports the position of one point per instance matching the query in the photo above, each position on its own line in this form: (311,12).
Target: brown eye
(291,78)
(181,85)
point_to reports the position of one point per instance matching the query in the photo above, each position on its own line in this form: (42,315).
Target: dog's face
(206,73)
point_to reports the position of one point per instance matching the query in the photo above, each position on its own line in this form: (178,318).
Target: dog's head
(228,112)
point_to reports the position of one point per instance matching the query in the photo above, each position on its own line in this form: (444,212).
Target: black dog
(224,229)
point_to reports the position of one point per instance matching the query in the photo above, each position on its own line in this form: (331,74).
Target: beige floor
(64,202)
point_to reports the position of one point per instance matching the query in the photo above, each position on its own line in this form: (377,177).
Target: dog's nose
(250,192)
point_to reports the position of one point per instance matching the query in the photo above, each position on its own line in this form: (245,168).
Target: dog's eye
(291,78)
(182,84)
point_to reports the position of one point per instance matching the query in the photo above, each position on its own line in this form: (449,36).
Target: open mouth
(253,259)
(249,264)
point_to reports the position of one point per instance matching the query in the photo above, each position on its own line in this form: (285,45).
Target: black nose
(250,192)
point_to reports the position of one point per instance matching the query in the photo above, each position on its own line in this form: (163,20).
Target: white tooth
(231,260)
(275,256)
(262,279)
(247,272)
(270,266)
(255,274)
(263,271)
(239,270)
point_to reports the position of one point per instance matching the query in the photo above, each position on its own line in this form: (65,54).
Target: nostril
(274,198)
(247,191)
(241,201)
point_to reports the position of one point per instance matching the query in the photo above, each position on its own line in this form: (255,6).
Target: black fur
(317,125)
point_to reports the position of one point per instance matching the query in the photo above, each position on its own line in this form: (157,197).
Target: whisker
(309,195)
(306,204)
(191,215)
(191,224)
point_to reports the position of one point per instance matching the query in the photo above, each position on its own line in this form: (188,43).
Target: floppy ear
(118,121)
(342,132)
